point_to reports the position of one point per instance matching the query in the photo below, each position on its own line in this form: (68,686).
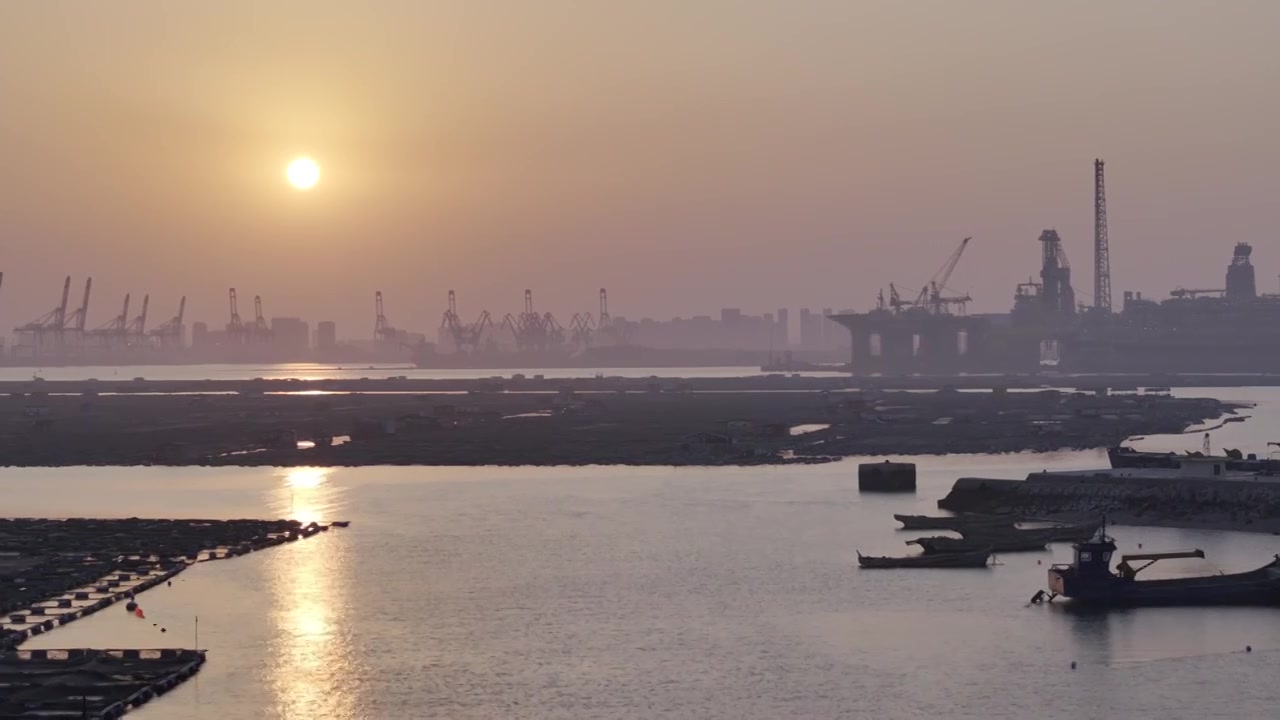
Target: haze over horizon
(687,156)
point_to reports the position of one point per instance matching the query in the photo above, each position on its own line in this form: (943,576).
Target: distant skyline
(687,156)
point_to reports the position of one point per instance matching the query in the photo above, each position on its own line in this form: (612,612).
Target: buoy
(163,630)
(1073,664)
(138,612)
(1248,648)
(131,606)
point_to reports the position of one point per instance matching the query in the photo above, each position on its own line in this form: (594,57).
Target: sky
(685,155)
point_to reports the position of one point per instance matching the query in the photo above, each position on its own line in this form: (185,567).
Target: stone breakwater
(1244,504)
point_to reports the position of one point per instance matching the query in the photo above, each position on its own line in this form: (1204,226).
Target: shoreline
(568,428)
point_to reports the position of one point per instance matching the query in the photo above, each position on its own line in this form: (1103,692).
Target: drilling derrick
(1057,298)
(383,333)
(170,333)
(1241,285)
(237,333)
(1101,251)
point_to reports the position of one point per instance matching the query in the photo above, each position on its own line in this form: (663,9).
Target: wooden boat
(1070,533)
(978,558)
(1063,533)
(993,543)
(957,523)
(1088,580)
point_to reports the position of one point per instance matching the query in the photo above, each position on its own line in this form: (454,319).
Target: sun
(303,173)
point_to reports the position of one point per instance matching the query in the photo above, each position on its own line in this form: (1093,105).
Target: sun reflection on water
(311,666)
(306,496)
(305,477)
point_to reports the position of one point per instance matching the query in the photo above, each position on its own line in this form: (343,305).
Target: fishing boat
(1126,458)
(1089,580)
(957,523)
(994,543)
(978,558)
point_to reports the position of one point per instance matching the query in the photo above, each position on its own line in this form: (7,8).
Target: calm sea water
(652,592)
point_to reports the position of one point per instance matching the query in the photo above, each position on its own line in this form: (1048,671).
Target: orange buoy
(138,612)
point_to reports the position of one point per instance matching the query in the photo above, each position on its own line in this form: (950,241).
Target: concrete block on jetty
(887,477)
(1239,502)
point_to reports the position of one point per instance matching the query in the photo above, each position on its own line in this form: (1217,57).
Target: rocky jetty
(1247,503)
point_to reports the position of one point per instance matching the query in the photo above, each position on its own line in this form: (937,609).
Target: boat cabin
(1093,558)
(1202,467)
(1090,570)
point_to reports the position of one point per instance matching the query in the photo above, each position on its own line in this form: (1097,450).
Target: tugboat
(1089,580)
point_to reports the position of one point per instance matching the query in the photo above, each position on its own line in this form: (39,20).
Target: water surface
(651,592)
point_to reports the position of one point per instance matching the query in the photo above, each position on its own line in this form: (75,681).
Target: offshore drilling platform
(1229,329)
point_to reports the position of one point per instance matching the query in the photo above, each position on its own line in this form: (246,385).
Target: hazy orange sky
(685,154)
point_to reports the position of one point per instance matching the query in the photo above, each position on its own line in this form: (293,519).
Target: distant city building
(199,334)
(291,333)
(784,328)
(810,329)
(731,331)
(326,334)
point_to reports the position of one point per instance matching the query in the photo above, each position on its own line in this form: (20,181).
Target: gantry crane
(169,334)
(137,330)
(466,338)
(261,330)
(114,330)
(236,331)
(51,323)
(383,333)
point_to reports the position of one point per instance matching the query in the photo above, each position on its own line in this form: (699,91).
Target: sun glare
(305,477)
(303,173)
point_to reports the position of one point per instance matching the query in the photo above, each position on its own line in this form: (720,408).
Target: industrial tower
(1101,253)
